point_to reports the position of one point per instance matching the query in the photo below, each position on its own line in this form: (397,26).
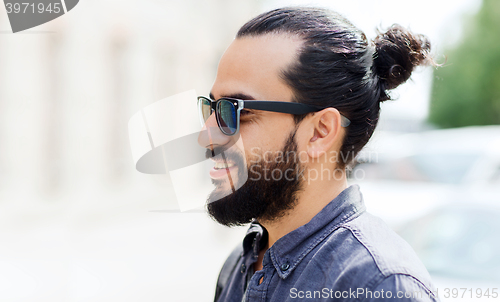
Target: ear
(326,132)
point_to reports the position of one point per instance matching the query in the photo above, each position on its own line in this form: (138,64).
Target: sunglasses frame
(273,106)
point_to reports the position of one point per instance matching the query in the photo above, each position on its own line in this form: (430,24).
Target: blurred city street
(94,249)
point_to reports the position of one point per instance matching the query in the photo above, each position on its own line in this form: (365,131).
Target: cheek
(253,139)
(266,134)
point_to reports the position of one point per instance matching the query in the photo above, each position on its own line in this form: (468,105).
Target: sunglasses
(227,111)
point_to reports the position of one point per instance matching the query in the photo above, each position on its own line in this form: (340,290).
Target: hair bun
(397,52)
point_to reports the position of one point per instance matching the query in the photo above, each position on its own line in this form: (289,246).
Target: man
(310,85)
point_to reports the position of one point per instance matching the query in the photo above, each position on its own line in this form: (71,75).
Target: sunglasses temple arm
(291,108)
(282,107)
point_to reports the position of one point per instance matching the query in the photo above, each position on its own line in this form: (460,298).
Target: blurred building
(68,87)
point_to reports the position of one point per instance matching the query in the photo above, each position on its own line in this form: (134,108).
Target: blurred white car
(407,175)
(459,244)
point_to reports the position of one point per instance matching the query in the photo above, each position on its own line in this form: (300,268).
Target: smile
(222,169)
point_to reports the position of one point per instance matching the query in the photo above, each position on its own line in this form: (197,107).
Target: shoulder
(227,269)
(365,252)
(390,253)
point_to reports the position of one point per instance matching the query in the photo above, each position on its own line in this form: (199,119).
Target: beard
(268,194)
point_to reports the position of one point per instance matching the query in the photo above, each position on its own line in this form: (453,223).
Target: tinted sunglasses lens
(205,109)
(227,116)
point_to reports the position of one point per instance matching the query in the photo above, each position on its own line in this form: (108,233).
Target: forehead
(253,66)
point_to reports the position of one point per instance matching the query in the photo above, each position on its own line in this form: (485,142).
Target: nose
(210,135)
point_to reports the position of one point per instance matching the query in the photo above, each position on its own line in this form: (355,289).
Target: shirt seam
(358,237)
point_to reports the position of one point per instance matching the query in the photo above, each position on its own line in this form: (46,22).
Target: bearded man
(297,95)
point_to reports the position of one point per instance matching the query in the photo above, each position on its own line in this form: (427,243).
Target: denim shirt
(342,254)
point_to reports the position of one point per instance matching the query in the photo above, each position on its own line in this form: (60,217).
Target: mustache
(225,153)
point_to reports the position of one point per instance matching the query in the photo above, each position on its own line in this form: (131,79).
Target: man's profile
(302,88)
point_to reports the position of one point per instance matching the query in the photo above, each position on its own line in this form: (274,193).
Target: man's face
(251,68)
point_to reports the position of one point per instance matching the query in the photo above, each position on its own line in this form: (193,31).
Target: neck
(310,201)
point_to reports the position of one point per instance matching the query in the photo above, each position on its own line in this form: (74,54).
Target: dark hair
(338,67)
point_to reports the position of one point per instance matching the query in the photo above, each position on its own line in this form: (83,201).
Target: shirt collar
(288,251)
(255,238)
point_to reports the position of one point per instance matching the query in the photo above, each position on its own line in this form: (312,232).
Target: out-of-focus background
(79,223)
